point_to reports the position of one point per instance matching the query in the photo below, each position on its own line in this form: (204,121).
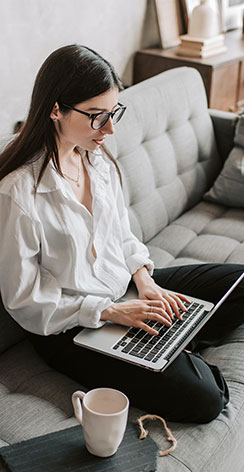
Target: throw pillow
(228,188)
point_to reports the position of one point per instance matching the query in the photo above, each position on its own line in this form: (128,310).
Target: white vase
(203,22)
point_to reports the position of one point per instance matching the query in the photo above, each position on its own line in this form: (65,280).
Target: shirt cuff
(137,261)
(91,309)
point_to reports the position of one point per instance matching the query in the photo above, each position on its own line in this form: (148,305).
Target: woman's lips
(99,142)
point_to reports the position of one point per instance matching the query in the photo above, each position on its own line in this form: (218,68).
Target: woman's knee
(204,392)
(208,404)
(200,404)
(210,396)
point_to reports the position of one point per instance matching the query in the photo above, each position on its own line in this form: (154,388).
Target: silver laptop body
(152,352)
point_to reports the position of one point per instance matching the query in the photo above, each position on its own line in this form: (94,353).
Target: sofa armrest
(224,129)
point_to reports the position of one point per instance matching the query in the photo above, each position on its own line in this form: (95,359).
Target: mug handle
(76,400)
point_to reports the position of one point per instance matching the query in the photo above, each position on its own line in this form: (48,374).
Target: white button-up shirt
(50,280)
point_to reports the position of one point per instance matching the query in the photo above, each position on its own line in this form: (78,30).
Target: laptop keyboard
(136,342)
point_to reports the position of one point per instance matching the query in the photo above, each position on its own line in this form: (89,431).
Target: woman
(68,253)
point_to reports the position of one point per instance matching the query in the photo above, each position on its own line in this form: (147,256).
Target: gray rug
(64,451)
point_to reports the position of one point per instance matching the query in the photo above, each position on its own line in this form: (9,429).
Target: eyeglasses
(98,120)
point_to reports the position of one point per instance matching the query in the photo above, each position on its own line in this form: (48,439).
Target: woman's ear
(55,113)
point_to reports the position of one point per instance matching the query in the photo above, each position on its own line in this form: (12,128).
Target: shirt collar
(99,163)
(50,181)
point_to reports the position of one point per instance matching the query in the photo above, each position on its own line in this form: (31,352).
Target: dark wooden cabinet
(223,74)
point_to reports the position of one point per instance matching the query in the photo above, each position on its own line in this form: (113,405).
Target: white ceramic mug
(103,413)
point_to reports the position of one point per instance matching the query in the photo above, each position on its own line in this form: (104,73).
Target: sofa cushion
(166,149)
(206,233)
(228,189)
(35,399)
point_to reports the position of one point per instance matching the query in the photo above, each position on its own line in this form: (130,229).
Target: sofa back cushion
(166,149)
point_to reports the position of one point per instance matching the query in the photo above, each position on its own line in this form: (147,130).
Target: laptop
(136,346)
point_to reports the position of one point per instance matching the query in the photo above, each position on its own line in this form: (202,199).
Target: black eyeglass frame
(93,116)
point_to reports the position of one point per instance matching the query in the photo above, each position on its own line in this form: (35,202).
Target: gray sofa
(170,148)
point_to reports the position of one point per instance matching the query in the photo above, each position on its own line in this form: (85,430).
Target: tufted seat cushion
(206,233)
(36,400)
(33,396)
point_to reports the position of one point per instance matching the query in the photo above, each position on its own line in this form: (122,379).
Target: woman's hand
(172,302)
(136,312)
(154,303)
(149,290)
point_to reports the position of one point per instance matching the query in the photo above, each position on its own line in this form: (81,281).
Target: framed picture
(232,13)
(187,7)
(169,22)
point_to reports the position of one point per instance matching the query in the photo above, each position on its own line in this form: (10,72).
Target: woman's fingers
(169,305)
(168,308)
(137,312)
(163,311)
(154,312)
(157,311)
(148,329)
(172,303)
(176,303)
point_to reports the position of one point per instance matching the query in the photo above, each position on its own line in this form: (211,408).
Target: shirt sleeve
(136,253)
(30,293)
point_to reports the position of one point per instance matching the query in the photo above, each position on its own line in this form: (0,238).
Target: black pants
(189,390)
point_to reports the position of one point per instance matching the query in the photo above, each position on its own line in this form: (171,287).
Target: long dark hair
(70,75)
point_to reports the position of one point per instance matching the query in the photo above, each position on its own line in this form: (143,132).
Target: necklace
(77,180)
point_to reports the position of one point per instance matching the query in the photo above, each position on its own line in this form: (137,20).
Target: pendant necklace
(77,180)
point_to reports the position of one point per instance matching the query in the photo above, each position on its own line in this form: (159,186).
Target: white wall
(31,29)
